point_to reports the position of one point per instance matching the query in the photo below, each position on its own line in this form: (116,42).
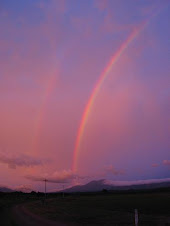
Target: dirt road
(20,216)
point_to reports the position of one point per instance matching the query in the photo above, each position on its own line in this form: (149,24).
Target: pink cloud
(27,188)
(166,162)
(112,170)
(155,165)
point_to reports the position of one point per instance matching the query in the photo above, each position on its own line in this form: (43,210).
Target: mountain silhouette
(5,189)
(99,185)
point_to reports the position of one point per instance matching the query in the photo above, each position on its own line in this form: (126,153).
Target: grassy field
(107,209)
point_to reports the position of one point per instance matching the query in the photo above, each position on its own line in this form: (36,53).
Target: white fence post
(136,217)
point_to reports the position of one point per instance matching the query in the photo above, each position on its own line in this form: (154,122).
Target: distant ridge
(5,189)
(99,185)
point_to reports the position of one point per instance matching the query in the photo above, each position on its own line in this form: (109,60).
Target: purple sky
(52,53)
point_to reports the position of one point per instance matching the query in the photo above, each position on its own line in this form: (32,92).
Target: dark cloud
(19,160)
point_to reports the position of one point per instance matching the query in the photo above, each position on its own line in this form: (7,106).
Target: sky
(84,91)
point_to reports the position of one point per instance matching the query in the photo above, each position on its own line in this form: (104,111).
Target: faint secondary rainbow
(99,84)
(42,110)
(49,88)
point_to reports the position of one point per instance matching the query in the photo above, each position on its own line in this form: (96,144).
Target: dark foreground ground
(86,209)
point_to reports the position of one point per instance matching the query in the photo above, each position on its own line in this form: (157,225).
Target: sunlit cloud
(27,188)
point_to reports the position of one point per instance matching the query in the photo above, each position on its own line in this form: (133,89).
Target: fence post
(136,217)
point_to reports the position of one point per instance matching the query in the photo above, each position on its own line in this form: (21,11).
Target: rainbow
(99,84)
(51,84)
(42,110)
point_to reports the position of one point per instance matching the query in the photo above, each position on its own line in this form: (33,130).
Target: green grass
(111,209)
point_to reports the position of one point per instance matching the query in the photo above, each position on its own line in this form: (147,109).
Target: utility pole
(45,187)
(63,191)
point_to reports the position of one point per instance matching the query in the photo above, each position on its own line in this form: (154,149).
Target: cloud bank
(136,182)
(19,160)
(64,176)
